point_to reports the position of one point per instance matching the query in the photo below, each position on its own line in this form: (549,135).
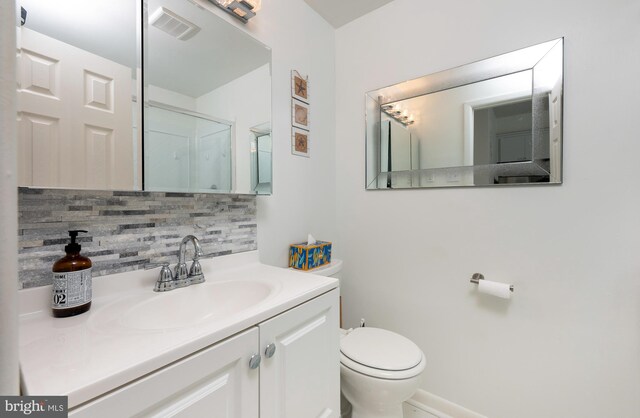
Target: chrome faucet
(183,277)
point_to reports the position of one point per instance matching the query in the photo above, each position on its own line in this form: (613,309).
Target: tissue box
(308,257)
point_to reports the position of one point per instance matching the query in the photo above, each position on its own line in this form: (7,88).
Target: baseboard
(427,405)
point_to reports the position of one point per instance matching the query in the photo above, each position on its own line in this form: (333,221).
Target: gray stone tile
(127,229)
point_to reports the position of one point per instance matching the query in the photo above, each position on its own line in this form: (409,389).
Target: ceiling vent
(176,26)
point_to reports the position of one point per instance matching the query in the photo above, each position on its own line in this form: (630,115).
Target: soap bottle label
(71,288)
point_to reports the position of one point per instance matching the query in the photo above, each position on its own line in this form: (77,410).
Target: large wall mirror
(78,74)
(207,93)
(493,122)
(94,113)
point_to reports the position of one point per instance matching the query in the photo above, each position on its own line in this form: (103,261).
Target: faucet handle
(195,272)
(165,273)
(165,279)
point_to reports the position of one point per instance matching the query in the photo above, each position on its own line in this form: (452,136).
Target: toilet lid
(380,349)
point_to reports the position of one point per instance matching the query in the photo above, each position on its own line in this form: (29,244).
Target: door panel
(216,382)
(84,93)
(302,379)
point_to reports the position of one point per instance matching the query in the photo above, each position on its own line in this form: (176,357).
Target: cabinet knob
(254,361)
(270,350)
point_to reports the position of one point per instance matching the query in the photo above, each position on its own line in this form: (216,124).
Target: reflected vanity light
(240,9)
(401,116)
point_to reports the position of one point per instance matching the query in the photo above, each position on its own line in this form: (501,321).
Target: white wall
(568,343)
(247,102)
(171,98)
(303,197)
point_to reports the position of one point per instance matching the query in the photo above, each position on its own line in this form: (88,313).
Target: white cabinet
(215,382)
(301,379)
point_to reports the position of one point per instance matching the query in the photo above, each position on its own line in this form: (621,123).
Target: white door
(302,377)
(74,117)
(216,382)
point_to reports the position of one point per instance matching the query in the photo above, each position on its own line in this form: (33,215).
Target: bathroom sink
(131,331)
(185,307)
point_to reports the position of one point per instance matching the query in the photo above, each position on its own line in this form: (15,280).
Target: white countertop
(87,355)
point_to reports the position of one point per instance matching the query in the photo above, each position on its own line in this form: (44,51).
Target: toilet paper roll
(500,290)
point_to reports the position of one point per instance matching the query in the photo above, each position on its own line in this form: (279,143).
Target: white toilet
(379,369)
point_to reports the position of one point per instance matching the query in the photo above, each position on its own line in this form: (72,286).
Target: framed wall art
(299,114)
(299,86)
(300,143)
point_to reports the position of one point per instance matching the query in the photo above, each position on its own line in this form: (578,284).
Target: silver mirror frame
(545,60)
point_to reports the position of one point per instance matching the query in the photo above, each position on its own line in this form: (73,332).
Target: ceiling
(107,28)
(341,12)
(216,55)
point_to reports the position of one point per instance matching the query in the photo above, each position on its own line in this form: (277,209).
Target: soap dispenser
(71,281)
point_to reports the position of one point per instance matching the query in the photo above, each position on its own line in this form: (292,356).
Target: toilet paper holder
(479,276)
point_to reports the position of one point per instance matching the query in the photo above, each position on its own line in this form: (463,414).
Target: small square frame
(300,113)
(300,142)
(299,86)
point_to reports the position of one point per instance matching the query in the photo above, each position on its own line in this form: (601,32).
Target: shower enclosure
(186,152)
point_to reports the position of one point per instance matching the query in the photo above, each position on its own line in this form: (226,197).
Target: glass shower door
(185,152)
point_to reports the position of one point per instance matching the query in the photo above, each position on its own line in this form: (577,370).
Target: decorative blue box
(308,257)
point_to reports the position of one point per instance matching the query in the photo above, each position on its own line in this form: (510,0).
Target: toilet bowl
(379,370)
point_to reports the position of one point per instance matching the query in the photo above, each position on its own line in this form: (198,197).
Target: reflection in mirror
(496,121)
(261,158)
(206,86)
(186,151)
(77,112)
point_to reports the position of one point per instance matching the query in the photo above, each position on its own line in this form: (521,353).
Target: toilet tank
(333,269)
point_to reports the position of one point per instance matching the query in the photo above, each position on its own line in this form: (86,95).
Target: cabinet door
(215,382)
(302,378)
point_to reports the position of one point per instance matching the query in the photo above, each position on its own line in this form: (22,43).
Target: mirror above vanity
(78,72)
(94,113)
(207,91)
(493,122)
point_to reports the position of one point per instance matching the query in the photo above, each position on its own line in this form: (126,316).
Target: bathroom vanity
(252,341)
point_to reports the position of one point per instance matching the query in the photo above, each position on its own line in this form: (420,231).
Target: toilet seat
(381,354)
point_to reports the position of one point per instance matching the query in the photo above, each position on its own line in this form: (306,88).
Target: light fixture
(240,9)
(399,115)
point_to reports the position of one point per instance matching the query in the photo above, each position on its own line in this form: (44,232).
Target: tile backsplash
(127,229)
